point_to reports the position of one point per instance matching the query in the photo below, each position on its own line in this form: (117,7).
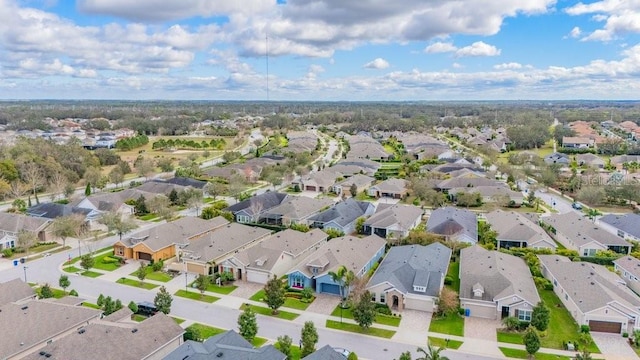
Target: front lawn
(91,306)
(285,315)
(295,352)
(91,274)
(442,343)
(177,320)
(510,337)
(196,296)
(522,354)
(289,302)
(77,258)
(258,341)
(224,290)
(451,324)
(205,331)
(100,264)
(154,275)
(136,283)
(387,334)
(71,269)
(138,318)
(380,318)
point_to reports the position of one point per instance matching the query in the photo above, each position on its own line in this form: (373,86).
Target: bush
(73,293)
(585,329)
(461,311)
(448,280)
(307,295)
(625,334)
(109,260)
(383,309)
(7,253)
(293,294)
(157,266)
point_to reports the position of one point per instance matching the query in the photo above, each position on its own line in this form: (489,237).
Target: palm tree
(432,353)
(338,277)
(584,355)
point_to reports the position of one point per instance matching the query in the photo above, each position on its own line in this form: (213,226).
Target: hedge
(110,260)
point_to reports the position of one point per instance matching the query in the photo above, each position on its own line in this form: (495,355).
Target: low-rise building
(628,268)
(626,226)
(454,224)
(517,230)
(393,220)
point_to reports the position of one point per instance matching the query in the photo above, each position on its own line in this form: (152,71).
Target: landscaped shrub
(448,280)
(73,293)
(293,294)
(383,309)
(7,253)
(109,260)
(307,295)
(585,329)
(157,266)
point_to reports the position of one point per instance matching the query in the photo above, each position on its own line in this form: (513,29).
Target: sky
(325,50)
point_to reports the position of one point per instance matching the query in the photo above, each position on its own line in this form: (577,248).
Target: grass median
(372,331)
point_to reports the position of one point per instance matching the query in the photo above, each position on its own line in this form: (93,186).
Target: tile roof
(409,265)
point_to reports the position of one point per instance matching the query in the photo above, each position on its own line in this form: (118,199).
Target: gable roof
(298,207)
(113,200)
(629,264)
(266,201)
(10,222)
(490,191)
(227,345)
(343,212)
(392,186)
(404,216)
(174,232)
(223,240)
(414,265)
(358,179)
(581,230)
(184,181)
(123,341)
(582,280)
(15,290)
(499,274)
(629,223)
(468,180)
(324,178)
(451,221)
(294,243)
(55,210)
(325,353)
(515,226)
(348,251)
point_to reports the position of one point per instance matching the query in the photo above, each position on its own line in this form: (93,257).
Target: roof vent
(81,331)
(219,354)
(134,330)
(24,308)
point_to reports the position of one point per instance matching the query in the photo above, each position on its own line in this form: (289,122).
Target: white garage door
(481,311)
(418,304)
(257,277)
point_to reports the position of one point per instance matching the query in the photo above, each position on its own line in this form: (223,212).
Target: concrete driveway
(414,327)
(613,346)
(478,328)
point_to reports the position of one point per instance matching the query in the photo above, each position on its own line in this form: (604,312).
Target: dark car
(576,206)
(147,308)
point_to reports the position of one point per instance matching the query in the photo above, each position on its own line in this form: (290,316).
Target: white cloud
(440,47)
(378,64)
(508,66)
(620,17)
(456,65)
(478,48)
(575,32)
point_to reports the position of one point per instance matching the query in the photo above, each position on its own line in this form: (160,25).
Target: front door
(239,274)
(394,303)
(505,312)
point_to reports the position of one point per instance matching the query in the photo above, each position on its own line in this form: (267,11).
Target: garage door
(330,289)
(310,188)
(418,304)
(144,256)
(257,277)
(605,326)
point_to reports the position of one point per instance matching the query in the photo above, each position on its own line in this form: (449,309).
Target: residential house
(628,268)
(592,294)
(207,254)
(469,180)
(52,211)
(160,242)
(342,216)
(351,166)
(15,291)
(517,230)
(364,147)
(573,142)
(411,277)
(276,255)
(187,182)
(495,285)
(621,159)
(492,193)
(150,339)
(557,158)
(391,188)
(321,181)
(454,224)
(576,232)
(325,353)
(355,254)
(250,210)
(393,220)
(226,345)
(590,160)
(362,183)
(109,201)
(295,210)
(11,224)
(626,226)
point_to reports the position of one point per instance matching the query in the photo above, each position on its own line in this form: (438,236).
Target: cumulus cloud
(377,64)
(575,32)
(508,66)
(619,17)
(440,47)
(478,48)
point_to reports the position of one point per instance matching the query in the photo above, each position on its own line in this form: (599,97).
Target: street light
(25,273)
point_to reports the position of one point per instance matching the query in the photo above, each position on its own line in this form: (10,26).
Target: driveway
(478,328)
(324,304)
(613,346)
(414,327)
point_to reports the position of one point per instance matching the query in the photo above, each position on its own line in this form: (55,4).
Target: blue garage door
(330,289)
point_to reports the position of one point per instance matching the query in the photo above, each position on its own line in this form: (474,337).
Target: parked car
(147,308)
(576,206)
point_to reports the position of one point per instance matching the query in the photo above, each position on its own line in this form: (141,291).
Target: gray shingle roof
(468,181)
(629,264)
(404,216)
(451,221)
(515,226)
(224,240)
(629,223)
(590,286)
(175,232)
(582,230)
(298,207)
(325,353)
(227,345)
(54,210)
(409,265)
(15,222)
(500,275)
(14,290)
(394,186)
(343,213)
(267,200)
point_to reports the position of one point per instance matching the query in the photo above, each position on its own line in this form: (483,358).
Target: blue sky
(320,49)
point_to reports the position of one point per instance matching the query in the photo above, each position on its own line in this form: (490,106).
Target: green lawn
(148,217)
(387,334)
(257,296)
(510,337)
(177,320)
(380,318)
(100,265)
(138,318)
(285,315)
(289,302)
(452,324)
(294,354)
(136,283)
(454,274)
(562,327)
(521,354)
(442,343)
(90,305)
(154,275)
(224,290)
(57,293)
(91,274)
(206,331)
(71,269)
(196,296)
(258,341)
(77,258)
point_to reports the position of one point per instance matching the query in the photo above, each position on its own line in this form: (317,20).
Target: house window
(244,219)
(373,297)
(382,298)
(119,251)
(524,315)
(298,282)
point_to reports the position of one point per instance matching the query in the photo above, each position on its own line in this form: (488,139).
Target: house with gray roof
(11,224)
(517,230)
(411,277)
(626,226)
(342,216)
(275,255)
(499,193)
(15,291)
(35,323)
(495,285)
(392,188)
(295,210)
(149,339)
(590,160)
(469,180)
(628,268)
(112,201)
(393,220)
(251,209)
(355,254)
(226,345)
(320,181)
(454,224)
(592,294)
(577,232)
(352,166)
(557,158)
(362,183)
(52,211)
(325,353)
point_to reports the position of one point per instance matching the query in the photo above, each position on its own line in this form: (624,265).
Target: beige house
(11,224)
(517,230)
